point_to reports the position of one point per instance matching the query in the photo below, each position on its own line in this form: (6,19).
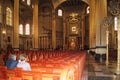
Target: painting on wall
(73,29)
(73,43)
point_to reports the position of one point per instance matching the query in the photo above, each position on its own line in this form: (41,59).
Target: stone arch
(57,3)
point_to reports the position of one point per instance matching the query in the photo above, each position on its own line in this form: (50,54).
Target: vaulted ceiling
(27,11)
(72,3)
(56,3)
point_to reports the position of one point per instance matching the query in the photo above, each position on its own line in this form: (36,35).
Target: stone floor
(99,71)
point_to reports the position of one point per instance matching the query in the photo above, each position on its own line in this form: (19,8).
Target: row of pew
(35,55)
(63,65)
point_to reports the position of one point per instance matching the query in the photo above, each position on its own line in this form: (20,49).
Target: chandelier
(73,16)
(114,7)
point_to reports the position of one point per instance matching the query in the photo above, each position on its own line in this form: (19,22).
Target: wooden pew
(62,67)
(15,78)
(3,71)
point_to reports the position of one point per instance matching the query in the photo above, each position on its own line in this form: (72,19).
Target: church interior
(62,39)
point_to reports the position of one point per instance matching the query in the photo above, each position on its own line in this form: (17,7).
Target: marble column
(64,34)
(100,14)
(16,25)
(3,26)
(92,28)
(118,51)
(35,25)
(53,30)
(112,45)
(83,31)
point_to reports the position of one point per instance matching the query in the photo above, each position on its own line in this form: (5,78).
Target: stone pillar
(118,51)
(3,26)
(101,12)
(53,31)
(16,25)
(115,40)
(83,31)
(64,34)
(112,37)
(107,46)
(92,29)
(35,25)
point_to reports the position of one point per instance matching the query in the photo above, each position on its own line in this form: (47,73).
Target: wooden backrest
(27,75)
(37,75)
(14,78)
(10,73)
(18,72)
(3,71)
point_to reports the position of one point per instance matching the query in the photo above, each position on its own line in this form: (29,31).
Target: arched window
(59,12)
(0,14)
(9,16)
(88,10)
(21,29)
(28,2)
(27,29)
(115,23)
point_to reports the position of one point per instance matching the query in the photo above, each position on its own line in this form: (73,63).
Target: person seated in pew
(23,63)
(11,63)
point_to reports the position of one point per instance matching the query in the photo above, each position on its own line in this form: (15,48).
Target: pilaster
(118,51)
(35,25)
(92,28)
(64,34)
(83,31)
(53,30)
(100,14)
(16,25)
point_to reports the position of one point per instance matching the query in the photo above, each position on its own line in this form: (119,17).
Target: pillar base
(117,72)
(92,52)
(100,57)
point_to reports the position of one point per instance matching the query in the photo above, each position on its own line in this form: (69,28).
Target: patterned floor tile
(100,71)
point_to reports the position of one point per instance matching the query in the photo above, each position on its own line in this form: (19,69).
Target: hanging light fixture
(73,16)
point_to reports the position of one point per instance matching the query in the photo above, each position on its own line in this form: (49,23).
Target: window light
(59,12)
(88,10)
(28,2)
(27,29)
(9,16)
(21,29)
